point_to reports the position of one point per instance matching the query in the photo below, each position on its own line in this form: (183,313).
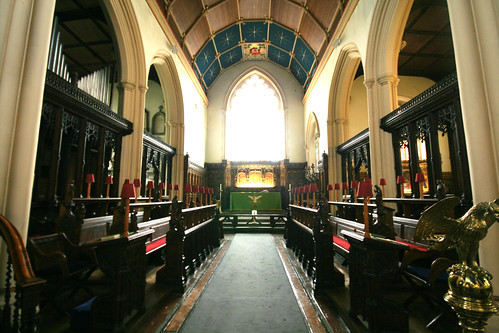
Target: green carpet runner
(249,292)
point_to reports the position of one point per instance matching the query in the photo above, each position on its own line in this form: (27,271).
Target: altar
(248,201)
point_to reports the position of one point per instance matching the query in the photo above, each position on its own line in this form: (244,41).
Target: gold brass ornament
(470,292)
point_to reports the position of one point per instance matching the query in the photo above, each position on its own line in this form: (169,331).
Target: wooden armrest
(438,266)
(72,250)
(414,254)
(43,260)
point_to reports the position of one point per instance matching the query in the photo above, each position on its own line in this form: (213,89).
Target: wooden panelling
(254,9)
(197,36)
(222,15)
(186,13)
(287,13)
(312,32)
(324,11)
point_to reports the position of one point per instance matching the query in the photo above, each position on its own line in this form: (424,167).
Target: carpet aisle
(249,292)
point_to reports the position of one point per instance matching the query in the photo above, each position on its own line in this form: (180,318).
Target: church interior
(249,165)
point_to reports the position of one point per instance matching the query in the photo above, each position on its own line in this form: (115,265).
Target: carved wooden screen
(157,159)
(355,157)
(428,137)
(78,135)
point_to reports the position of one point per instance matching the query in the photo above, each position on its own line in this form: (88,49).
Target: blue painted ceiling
(268,41)
(217,34)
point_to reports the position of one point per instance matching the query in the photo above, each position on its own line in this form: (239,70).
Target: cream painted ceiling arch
(170,86)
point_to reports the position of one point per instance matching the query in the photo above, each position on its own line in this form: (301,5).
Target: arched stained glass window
(255,121)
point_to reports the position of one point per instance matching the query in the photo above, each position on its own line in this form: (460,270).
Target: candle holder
(337,190)
(382,183)
(310,174)
(176,189)
(127,192)
(168,193)
(400,182)
(137,184)
(420,179)
(353,185)
(108,182)
(150,186)
(187,191)
(313,189)
(344,187)
(329,190)
(89,179)
(365,191)
(161,187)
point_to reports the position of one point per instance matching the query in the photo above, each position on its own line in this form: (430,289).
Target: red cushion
(341,242)
(154,245)
(414,246)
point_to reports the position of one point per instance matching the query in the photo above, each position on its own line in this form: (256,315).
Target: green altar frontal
(266,200)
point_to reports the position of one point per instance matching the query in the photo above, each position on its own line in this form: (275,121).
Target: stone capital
(126,86)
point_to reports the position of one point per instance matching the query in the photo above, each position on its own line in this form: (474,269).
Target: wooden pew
(192,235)
(374,275)
(143,215)
(309,234)
(411,207)
(351,210)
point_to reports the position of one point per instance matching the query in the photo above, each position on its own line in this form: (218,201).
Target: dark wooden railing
(193,234)
(309,234)
(19,311)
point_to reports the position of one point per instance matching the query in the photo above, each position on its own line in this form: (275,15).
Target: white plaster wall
(156,42)
(411,86)
(356,32)
(357,110)
(357,117)
(293,94)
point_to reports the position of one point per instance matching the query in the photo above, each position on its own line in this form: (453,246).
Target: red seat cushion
(154,245)
(341,242)
(414,246)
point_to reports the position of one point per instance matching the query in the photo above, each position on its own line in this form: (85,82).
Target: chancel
(249,166)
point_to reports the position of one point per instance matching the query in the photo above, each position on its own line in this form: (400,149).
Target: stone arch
(348,61)
(312,135)
(174,106)
(133,81)
(381,80)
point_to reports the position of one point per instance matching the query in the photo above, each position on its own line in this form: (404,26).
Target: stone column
(381,100)
(474,27)
(176,139)
(132,103)
(26,37)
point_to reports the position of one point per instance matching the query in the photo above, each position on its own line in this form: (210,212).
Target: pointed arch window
(255,121)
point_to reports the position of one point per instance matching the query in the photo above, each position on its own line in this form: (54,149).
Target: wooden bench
(411,207)
(309,234)
(193,233)
(373,281)
(143,215)
(64,265)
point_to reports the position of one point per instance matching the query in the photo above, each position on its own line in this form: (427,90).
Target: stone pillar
(337,128)
(474,27)
(132,103)
(381,100)
(176,139)
(26,39)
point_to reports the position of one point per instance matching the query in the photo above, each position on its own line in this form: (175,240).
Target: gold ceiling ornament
(470,292)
